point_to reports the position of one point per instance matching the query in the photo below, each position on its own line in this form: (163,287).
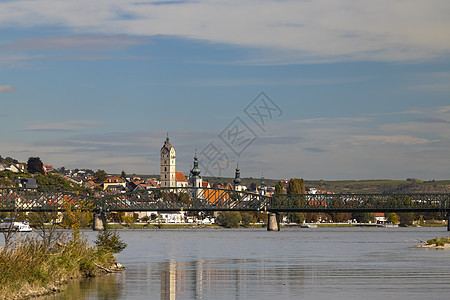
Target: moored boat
(13,225)
(308,226)
(387,225)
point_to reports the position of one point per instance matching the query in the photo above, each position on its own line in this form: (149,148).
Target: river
(315,263)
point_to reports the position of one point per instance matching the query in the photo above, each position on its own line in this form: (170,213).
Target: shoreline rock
(433,246)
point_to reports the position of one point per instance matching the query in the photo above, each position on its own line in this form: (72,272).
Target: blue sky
(358,90)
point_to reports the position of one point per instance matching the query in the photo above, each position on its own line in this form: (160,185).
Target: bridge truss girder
(28,200)
(184,198)
(201,199)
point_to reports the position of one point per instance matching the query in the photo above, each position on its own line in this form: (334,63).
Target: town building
(116,184)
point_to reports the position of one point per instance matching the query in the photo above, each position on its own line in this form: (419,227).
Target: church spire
(196,179)
(237,176)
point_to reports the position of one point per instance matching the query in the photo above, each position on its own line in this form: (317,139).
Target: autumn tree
(391,218)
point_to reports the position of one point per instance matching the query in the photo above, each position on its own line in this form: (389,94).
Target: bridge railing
(360,202)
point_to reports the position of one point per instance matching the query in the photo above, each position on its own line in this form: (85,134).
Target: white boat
(387,225)
(11,224)
(308,226)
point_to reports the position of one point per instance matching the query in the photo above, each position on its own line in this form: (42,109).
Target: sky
(312,89)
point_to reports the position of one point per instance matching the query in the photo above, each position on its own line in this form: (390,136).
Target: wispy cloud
(7,88)
(62,126)
(299,30)
(76,42)
(431,82)
(389,139)
(264,82)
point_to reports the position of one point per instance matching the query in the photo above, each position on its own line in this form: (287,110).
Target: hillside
(358,186)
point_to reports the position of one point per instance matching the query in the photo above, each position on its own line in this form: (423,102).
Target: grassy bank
(32,266)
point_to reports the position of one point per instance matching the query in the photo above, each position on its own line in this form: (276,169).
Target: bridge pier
(273,222)
(99,221)
(448,221)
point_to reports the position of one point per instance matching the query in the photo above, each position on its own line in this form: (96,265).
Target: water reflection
(108,287)
(206,279)
(324,264)
(229,278)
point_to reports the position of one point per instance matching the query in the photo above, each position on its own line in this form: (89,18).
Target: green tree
(407,219)
(298,218)
(296,186)
(229,219)
(246,219)
(363,217)
(110,241)
(35,165)
(279,189)
(100,176)
(341,217)
(123,175)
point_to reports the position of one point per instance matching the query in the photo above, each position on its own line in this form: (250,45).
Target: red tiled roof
(114,180)
(179,177)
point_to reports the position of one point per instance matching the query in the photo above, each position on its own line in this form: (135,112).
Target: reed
(31,266)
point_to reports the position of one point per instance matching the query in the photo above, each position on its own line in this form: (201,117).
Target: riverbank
(254,225)
(31,267)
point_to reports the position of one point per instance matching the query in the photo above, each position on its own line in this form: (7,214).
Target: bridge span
(213,199)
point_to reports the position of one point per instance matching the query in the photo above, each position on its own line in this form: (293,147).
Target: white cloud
(318,30)
(6,88)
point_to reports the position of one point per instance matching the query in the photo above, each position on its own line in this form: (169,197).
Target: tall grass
(30,266)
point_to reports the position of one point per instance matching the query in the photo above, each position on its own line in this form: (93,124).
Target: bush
(229,219)
(439,241)
(296,217)
(406,219)
(110,241)
(246,219)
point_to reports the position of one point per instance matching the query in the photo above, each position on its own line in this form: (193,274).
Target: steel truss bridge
(211,199)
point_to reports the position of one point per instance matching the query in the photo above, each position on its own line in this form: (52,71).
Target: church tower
(237,179)
(195,178)
(168,165)
(262,187)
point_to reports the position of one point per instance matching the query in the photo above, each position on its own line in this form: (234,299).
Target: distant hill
(357,186)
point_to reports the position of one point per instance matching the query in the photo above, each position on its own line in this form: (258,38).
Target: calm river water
(315,263)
